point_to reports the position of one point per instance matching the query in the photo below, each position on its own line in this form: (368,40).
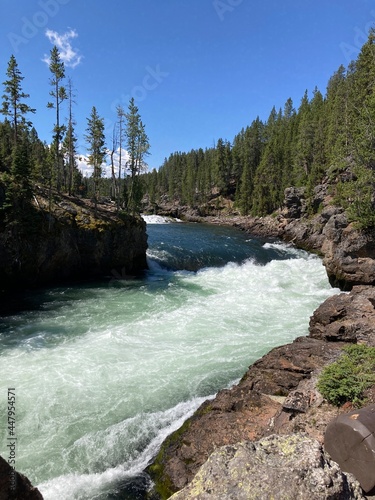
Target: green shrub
(348,378)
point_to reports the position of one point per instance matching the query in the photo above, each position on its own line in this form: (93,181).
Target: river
(103,372)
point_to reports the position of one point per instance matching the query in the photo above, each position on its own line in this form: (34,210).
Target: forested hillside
(329,137)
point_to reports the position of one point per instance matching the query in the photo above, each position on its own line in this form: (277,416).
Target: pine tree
(38,157)
(222,166)
(363,98)
(338,140)
(13,105)
(121,115)
(250,156)
(97,151)
(59,94)
(69,144)
(268,188)
(6,145)
(319,127)
(138,148)
(305,142)
(18,188)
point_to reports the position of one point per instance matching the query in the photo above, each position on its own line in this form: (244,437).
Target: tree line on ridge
(327,137)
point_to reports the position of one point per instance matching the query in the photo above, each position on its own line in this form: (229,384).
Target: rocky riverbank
(278,395)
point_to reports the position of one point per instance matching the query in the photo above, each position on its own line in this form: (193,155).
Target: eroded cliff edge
(66,241)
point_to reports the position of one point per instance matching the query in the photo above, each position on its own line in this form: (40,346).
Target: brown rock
(15,486)
(346,317)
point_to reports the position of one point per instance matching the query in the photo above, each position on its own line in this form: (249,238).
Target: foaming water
(159,219)
(104,373)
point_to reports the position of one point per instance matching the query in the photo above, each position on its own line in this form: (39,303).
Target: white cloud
(70,56)
(82,164)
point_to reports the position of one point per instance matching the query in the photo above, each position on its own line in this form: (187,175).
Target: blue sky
(198,69)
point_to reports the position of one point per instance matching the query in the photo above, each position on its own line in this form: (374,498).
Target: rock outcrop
(346,317)
(15,486)
(291,466)
(68,243)
(348,252)
(277,395)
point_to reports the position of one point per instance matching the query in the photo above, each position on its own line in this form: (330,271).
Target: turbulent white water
(103,373)
(159,219)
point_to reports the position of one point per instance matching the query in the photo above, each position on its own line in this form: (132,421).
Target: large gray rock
(294,201)
(281,467)
(349,254)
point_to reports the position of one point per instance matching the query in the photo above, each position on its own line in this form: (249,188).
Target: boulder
(291,466)
(348,317)
(294,202)
(349,254)
(350,441)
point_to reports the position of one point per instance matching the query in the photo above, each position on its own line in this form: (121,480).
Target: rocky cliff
(348,252)
(69,241)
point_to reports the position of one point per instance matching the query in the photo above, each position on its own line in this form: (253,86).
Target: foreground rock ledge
(277,395)
(23,489)
(291,466)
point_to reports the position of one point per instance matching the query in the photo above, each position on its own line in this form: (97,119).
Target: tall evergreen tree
(13,105)
(138,146)
(250,156)
(223,166)
(69,144)
(305,142)
(338,140)
(363,98)
(96,147)
(58,92)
